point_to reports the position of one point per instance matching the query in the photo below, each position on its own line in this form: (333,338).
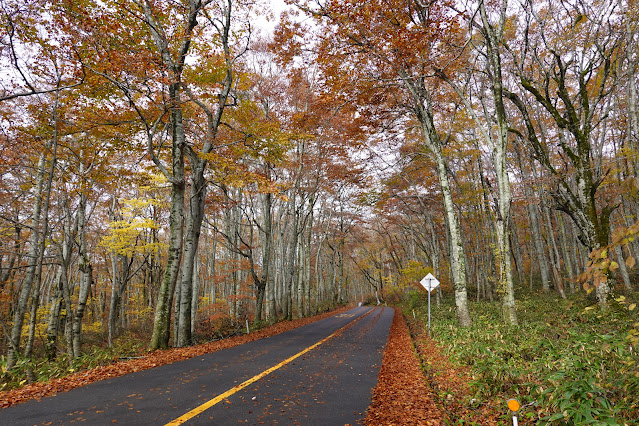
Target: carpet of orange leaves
(153,359)
(418,385)
(448,383)
(402,395)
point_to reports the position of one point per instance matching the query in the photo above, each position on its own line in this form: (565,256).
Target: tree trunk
(292,258)
(53,324)
(516,252)
(299,270)
(457,257)
(566,253)
(121,271)
(554,255)
(195,299)
(33,256)
(633,117)
(33,315)
(174,63)
(162,318)
(307,256)
(86,277)
(8,272)
(493,38)
(622,268)
(267,248)
(192,238)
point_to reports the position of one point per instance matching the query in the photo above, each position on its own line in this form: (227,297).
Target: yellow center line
(199,410)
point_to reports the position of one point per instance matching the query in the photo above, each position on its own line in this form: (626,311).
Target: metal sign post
(429,313)
(429,282)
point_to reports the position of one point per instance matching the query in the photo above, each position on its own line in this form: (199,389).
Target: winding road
(319,374)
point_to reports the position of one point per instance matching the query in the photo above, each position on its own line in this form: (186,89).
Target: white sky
(276,6)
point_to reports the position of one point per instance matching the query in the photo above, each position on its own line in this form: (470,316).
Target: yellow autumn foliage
(127,236)
(413,273)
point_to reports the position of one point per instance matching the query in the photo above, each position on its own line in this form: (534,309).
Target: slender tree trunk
(516,251)
(63,297)
(307,266)
(457,257)
(301,283)
(271,285)
(53,324)
(8,272)
(162,318)
(623,271)
(566,254)
(86,277)
(434,252)
(195,297)
(112,302)
(455,241)
(577,260)
(121,271)
(280,290)
(68,289)
(292,259)
(33,317)
(633,116)
(33,255)
(234,229)
(213,268)
(192,238)
(267,248)
(554,255)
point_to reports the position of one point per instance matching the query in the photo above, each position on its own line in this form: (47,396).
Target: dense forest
(171,170)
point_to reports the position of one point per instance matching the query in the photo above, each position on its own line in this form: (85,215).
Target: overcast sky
(277,6)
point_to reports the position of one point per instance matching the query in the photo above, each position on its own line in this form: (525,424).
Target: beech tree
(490,51)
(572,86)
(397,44)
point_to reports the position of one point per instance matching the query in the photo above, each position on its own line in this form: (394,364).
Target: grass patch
(567,362)
(39,369)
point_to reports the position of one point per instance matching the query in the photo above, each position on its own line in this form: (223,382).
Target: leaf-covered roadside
(401,395)
(153,359)
(566,363)
(449,383)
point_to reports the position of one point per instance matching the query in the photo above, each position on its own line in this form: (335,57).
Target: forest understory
(567,363)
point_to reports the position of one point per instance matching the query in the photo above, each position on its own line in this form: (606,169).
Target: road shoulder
(402,395)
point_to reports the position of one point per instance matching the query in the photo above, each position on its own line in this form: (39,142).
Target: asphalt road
(319,374)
